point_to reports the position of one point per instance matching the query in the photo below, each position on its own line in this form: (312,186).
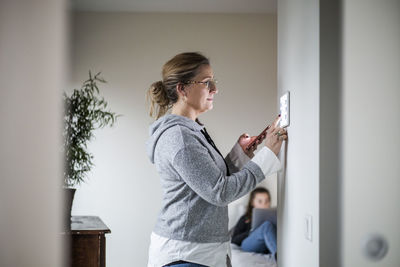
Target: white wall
(298,186)
(130,50)
(32,61)
(341,62)
(371,129)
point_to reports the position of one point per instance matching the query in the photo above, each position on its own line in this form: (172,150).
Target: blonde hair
(181,68)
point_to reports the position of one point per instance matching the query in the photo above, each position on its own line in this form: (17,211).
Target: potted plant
(84,113)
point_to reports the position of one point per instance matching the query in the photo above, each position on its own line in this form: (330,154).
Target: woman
(263,238)
(198,183)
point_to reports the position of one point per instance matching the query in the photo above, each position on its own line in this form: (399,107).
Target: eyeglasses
(210,84)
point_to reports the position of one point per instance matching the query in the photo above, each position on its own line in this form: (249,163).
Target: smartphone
(258,137)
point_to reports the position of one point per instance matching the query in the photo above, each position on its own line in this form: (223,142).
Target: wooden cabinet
(87,242)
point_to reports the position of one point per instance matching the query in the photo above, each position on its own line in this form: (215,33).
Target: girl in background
(263,238)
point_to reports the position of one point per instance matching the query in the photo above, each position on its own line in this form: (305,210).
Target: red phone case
(258,137)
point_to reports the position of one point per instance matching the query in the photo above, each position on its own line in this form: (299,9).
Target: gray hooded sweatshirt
(194,180)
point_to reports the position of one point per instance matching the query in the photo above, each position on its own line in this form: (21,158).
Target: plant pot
(69,194)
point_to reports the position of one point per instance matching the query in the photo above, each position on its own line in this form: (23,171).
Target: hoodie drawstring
(211,142)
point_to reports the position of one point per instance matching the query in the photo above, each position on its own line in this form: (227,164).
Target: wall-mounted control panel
(285,110)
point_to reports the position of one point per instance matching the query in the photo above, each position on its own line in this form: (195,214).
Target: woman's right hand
(275,136)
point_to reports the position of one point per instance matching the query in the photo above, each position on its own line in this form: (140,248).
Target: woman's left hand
(245,140)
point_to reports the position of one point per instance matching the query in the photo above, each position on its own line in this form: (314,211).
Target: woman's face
(261,201)
(198,96)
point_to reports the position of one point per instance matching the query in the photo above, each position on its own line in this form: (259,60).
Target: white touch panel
(285,110)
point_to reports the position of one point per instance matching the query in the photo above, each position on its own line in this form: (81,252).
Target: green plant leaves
(84,113)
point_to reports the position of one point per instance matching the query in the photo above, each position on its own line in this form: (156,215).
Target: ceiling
(186,6)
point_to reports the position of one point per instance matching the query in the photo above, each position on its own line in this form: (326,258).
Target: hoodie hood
(158,127)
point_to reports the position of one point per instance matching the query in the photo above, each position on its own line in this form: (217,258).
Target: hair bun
(160,93)
(158,87)
(159,100)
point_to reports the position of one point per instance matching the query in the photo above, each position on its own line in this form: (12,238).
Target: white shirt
(163,251)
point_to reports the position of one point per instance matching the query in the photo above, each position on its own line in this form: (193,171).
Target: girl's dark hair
(181,68)
(249,210)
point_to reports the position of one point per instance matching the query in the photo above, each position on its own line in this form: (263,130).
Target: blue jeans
(262,239)
(186,264)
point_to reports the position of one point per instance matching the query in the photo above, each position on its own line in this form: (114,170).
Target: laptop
(261,215)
